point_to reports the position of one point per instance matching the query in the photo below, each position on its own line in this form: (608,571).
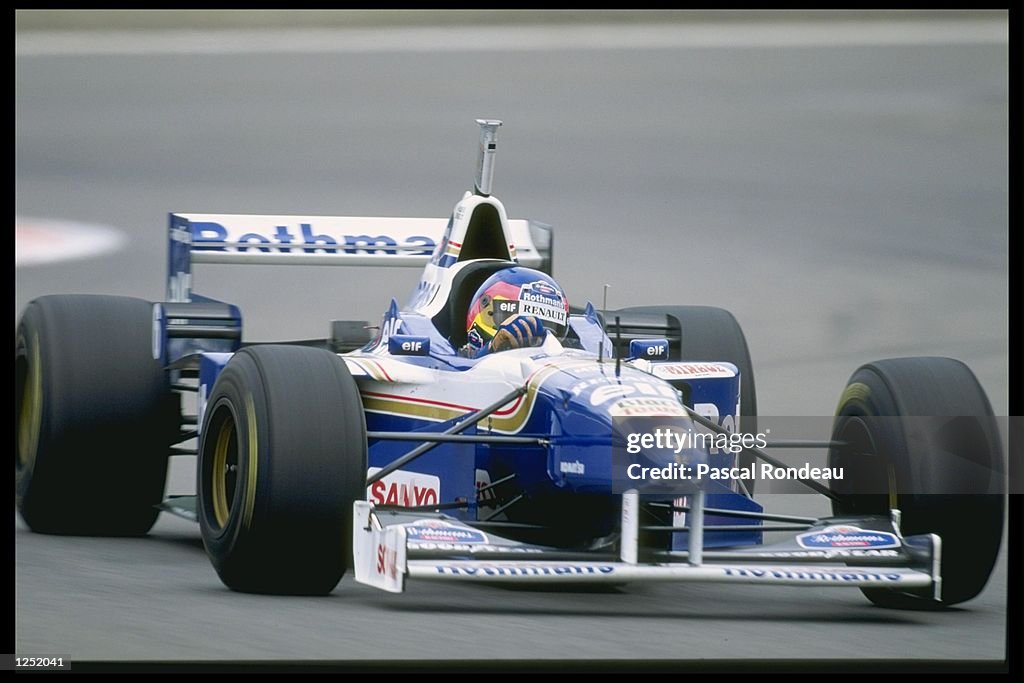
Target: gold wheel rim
(31,407)
(224,474)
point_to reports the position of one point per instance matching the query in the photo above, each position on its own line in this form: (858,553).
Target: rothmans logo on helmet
(544,301)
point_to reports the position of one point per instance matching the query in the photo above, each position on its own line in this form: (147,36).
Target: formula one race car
(425,451)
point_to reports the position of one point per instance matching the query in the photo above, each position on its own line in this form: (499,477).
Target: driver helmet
(513,292)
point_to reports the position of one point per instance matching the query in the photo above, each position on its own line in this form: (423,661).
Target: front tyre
(918,434)
(282,458)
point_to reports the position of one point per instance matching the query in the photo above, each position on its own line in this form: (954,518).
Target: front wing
(391,546)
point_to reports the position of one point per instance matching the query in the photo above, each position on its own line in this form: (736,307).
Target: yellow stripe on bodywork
(501,423)
(250,484)
(514,422)
(396,406)
(369,369)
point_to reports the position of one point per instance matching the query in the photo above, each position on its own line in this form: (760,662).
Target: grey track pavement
(846,203)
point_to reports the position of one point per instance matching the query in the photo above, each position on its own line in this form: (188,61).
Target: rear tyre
(712,334)
(945,475)
(282,459)
(94,416)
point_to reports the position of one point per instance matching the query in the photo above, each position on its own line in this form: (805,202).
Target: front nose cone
(601,422)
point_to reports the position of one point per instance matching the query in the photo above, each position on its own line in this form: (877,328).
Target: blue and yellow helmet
(513,292)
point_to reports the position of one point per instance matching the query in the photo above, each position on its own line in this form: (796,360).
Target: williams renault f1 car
(396,456)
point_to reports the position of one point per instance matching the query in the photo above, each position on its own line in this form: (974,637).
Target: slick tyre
(918,434)
(282,458)
(94,416)
(707,333)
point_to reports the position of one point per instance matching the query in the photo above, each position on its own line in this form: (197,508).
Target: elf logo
(407,489)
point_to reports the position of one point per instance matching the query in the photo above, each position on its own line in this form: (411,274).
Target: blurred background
(838,180)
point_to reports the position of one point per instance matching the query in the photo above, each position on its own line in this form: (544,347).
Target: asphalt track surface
(847,202)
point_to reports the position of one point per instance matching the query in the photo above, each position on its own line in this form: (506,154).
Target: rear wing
(322,240)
